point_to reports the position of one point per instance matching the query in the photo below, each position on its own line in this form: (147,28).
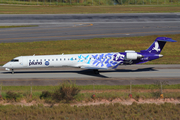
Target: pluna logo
(35,63)
(46,63)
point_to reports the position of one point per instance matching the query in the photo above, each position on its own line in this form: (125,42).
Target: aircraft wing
(91,67)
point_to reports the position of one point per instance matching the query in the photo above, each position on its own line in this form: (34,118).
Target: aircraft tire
(96,71)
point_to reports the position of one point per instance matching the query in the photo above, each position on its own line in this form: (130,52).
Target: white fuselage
(89,61)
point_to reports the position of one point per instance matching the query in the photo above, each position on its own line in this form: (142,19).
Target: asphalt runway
(138,74)
(85,26)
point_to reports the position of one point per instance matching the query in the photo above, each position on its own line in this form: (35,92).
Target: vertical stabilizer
(158,45)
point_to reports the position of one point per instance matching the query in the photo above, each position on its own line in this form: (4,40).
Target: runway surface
(139,74)
(84,26)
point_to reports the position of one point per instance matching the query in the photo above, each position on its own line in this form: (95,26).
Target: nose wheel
(12,72)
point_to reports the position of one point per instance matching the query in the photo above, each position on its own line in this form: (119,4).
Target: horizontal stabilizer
(165,39)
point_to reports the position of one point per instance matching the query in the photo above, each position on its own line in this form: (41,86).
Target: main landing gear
(96,71)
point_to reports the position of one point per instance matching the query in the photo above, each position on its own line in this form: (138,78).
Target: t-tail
(157,45)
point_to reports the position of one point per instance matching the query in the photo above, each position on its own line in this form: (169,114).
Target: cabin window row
(51,60)
(63,59)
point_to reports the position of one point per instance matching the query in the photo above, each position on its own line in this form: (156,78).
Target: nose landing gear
(12,71)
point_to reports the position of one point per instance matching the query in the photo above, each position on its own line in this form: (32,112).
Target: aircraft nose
(5,65)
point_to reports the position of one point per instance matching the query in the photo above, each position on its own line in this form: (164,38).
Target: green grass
(90,2)
(102,111)
(88,87)
(108,95)
(116,87)
(154,94)
(111,111)
(15,26)
(10,9)
(117,111)
(97,45)
(120,91)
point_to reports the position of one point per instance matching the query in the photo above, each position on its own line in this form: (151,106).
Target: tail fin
(158,45)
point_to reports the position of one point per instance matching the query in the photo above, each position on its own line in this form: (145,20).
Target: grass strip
(117,111)
(153,94)
(90,3)
(108,95)
(97,45)
(15,26)
(65,89)
(10,9)
(90,87)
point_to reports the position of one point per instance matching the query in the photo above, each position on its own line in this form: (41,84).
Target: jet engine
(132,55)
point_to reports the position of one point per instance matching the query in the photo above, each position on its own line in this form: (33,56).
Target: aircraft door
(24,61)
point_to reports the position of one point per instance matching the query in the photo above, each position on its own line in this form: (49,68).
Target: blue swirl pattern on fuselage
(102,60)
(107,60)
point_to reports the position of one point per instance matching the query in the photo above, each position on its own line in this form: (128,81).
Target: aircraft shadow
(91,73)
(83,72)
(136,70)
(86,72)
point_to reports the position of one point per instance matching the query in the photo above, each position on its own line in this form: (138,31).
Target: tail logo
(156,47)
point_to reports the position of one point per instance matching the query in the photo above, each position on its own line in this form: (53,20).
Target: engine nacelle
(132,56)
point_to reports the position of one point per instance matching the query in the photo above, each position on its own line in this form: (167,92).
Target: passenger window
(44,59)
(37,60)
(52,59)
(64,58)
(29,60)
(75,58)
(56,59)
(41,60)
(48,59)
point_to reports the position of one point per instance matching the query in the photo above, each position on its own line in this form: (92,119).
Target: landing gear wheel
(96,71)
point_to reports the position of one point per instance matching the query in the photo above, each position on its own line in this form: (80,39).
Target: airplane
(94,61)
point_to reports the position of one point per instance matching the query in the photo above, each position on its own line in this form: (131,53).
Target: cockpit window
(15,60)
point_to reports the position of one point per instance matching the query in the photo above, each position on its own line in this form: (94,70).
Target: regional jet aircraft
(93,61)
